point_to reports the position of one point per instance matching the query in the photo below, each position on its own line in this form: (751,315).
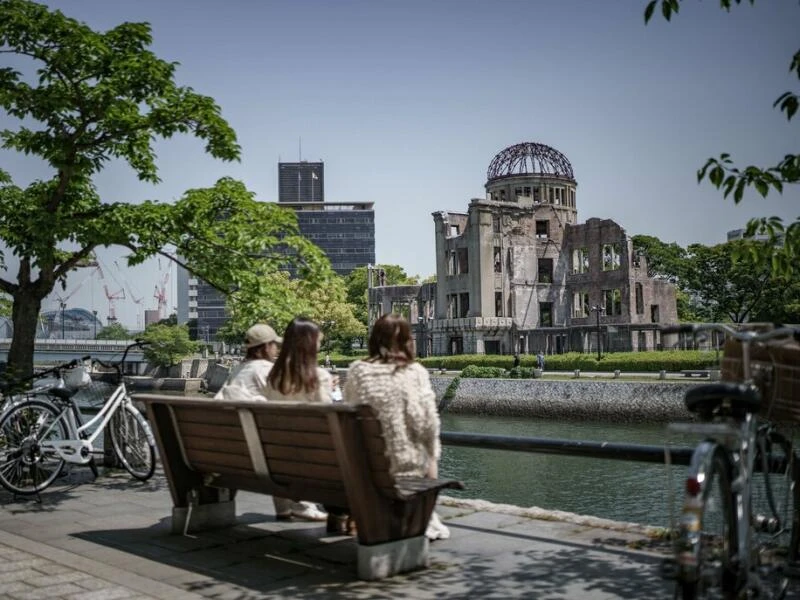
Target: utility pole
(94,312)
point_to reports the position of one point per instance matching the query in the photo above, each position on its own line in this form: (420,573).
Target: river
(612,489)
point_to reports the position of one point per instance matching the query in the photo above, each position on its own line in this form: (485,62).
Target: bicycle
(42,432)
(739,528)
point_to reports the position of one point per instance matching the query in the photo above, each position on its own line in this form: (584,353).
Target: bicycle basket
(775,368)
(77,377)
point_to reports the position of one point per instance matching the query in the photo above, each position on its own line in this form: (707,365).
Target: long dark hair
(295,370)
(390,341)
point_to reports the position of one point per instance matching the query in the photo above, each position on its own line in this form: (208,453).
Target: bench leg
(197,517)
(390,558)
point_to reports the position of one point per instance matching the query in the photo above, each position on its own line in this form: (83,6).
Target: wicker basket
(775,368)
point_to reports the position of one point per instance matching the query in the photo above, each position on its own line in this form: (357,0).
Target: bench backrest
(300,450)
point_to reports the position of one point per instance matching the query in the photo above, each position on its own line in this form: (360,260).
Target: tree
(276,299)
(167,344)
(726,287)
(664,261)
(783,250)
(115,331)
(5,306)
(95,97)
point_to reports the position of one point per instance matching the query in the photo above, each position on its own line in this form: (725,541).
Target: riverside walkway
(110,538)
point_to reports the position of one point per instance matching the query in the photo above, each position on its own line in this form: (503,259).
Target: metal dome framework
(529,158)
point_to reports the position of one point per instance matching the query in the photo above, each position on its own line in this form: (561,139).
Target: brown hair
(390,341)
(295,369)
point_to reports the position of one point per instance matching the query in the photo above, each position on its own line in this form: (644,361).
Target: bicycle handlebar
(118,365)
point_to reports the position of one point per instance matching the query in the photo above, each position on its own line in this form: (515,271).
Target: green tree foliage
(664,261)
(5,305)
(276,299)
(783,251)
(726,284)
(167,344)
(82,99)
(115,331)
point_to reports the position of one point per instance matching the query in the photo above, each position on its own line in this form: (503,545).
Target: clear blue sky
(407,103)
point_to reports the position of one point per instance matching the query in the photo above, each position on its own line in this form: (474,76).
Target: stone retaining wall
(616,401)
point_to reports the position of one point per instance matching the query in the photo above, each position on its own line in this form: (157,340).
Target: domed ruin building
(518,273)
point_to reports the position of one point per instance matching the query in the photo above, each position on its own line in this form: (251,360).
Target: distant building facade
(301,182)
(518,273)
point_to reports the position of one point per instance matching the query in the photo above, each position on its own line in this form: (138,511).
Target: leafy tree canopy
(783,251)
(86,98)
(664,261)
(5,305)
(115,331)
(167,344)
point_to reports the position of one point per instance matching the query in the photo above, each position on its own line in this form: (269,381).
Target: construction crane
(161,295)
(138,303)
(112,298)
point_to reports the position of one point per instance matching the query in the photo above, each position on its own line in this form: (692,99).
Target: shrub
(476,372)
(654,361)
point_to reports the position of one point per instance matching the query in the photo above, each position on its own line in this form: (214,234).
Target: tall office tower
(301,182)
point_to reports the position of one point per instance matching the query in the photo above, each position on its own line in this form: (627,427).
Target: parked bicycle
(739,527)
(42,432)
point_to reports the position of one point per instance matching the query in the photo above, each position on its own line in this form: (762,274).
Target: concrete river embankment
(571,399)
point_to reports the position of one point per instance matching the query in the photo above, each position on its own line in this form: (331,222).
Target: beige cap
(260,334)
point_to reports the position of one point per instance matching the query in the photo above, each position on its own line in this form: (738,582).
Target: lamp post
(94,312)
(63,305)
(597,309)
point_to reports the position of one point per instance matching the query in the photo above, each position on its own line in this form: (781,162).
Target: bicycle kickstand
(93,467)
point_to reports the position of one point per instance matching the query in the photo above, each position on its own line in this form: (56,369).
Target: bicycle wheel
(130,436)
(25,467)
(707,540)
(773,505)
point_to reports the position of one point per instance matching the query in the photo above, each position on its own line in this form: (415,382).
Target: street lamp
(63,305)
(597,309)
(94,312)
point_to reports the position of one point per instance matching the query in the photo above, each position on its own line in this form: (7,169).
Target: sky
(407,102)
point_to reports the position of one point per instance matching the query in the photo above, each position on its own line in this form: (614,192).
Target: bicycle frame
(79,449)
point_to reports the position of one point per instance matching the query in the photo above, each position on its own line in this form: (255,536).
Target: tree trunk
(25,316)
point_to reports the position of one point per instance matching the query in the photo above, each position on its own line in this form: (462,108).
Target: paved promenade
(110,538)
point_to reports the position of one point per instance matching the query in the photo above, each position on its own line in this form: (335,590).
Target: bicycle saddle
(708,397)
(61,393)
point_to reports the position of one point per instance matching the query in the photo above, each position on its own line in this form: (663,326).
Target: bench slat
(219,459)
(313,455)
(215,445)
(292,469)
(282,422)
(297,439)
(216,468)
(219,416)
(212,431)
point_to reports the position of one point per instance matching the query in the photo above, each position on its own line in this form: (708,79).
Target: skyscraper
(301,182)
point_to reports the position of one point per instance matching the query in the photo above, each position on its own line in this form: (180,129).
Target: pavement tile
(54,591)
(47,577)
(11,587)
(19,575)
(111,593)
(18,565)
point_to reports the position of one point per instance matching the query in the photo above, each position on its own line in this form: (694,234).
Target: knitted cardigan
(406,407)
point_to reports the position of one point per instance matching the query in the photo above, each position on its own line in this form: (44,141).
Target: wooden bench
(327,453)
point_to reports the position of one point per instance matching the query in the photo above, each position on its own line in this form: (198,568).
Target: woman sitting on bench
(295,377)
(400,391)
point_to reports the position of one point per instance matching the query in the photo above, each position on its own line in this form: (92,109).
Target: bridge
(54,351)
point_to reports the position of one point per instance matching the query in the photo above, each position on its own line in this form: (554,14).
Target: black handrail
(586,448)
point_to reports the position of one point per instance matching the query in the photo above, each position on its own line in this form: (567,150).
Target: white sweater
(406,407)
(321,394)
